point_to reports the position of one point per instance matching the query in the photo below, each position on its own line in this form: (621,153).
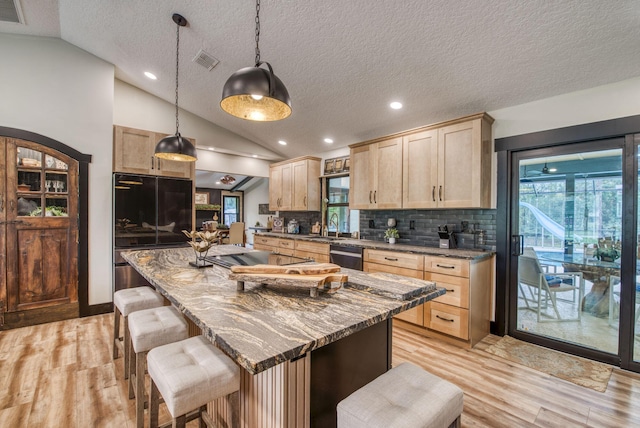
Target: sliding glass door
(574,274)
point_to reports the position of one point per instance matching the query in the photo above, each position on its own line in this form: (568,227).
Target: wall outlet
(371,224)
(412,224)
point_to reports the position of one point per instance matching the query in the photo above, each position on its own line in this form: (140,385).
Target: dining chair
(614,298)
(236,234)
(540,283)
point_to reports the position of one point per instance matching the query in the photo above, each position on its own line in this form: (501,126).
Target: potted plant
(607,254)
(391,234)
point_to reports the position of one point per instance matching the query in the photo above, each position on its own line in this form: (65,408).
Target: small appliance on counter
(447,239)
(293,226)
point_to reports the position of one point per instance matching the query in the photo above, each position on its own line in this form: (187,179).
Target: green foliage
(391,233)
(51,212)
(208,207)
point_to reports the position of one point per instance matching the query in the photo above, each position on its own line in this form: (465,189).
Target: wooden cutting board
(316,269)
(326,282)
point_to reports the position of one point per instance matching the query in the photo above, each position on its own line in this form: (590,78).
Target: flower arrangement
(201,242)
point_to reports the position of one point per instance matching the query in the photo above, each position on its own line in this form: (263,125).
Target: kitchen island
(300,355)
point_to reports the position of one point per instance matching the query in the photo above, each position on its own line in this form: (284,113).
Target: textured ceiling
(344,61)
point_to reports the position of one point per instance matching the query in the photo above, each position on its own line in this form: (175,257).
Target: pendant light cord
(177,63)
(257,33)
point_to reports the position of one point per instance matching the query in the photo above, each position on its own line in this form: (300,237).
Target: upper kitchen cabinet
(464,164)
(376,175)
(446,165)
(294,185)
(133,152)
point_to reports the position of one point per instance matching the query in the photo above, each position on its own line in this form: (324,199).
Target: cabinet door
(275,187)
(169,168)
(133,150)
(360,180)
(287,187)
(387,192)
(460,165)
(420,170)
(299,186)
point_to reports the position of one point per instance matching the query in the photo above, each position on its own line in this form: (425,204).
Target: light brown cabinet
(445,165)
(133,153)
(294,185)
(460,316)
(275,245)
(376,175)
(317,251)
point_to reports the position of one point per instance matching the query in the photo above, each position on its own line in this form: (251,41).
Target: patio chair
(614,298)
(540,283)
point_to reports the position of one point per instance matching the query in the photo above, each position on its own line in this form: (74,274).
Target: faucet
(336,222)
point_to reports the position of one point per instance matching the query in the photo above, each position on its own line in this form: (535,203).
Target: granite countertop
(262,327)
(458,253)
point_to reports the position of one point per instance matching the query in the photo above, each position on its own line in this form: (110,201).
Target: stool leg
(116,331)
(141,362)
(180,421)
(127,350)
(131,375)
(203,409)
(154,405)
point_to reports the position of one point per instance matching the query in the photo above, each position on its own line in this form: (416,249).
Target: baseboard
(102,308)
(37,316)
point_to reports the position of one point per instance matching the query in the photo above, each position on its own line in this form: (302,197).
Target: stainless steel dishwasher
(347,257)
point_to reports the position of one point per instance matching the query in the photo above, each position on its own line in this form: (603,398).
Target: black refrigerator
(148,212)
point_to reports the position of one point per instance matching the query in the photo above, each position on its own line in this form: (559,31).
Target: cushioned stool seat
(151,328)
(126,302)
(188,375)
(404,397)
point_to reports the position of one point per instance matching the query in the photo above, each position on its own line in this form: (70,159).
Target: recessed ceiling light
(328,140)
(210,148)
(395,105)
(255,156)
(284,143)
(217,182)
(150,75)
(553,169)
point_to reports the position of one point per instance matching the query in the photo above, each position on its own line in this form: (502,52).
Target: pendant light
(175,147)
(255,93)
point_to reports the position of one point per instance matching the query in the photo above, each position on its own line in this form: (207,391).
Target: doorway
(39,234)
(567,241)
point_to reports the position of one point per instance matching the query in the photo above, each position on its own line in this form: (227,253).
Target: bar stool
(126,302)
(188,375)
(404,397)
(148,329)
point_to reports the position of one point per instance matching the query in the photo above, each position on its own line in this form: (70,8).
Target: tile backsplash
(420,227)
(305,219)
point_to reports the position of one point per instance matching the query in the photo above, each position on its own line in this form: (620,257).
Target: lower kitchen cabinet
(462,315)
(317,251)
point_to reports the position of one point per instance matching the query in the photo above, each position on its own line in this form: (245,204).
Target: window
(231,207)
(339,217)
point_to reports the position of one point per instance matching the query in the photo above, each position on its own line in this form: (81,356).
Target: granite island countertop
(458,253)
(262,327)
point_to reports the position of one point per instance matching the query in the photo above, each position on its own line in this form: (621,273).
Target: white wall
(254,196)
(58,90)
(605,102)
(222,162)
(136,108)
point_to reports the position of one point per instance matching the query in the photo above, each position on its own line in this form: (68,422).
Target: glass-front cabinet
(42,181)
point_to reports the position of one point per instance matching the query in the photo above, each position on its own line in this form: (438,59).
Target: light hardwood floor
(61,375)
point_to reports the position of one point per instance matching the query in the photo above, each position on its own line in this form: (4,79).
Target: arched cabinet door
(39,229)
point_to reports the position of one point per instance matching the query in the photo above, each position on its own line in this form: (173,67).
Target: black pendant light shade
(255,93)
(175,147)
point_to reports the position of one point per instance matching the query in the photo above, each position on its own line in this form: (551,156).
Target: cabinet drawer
(448,320)
(401,260)
(374,267)
(312,247)
(447,266)
(457,289)
(316,257)
(413,315)
(263,247)
(286,243)
(265,240)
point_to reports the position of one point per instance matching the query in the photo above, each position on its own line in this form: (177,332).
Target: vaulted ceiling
(343,62)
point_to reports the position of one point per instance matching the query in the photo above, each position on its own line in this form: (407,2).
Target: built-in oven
(347,257)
